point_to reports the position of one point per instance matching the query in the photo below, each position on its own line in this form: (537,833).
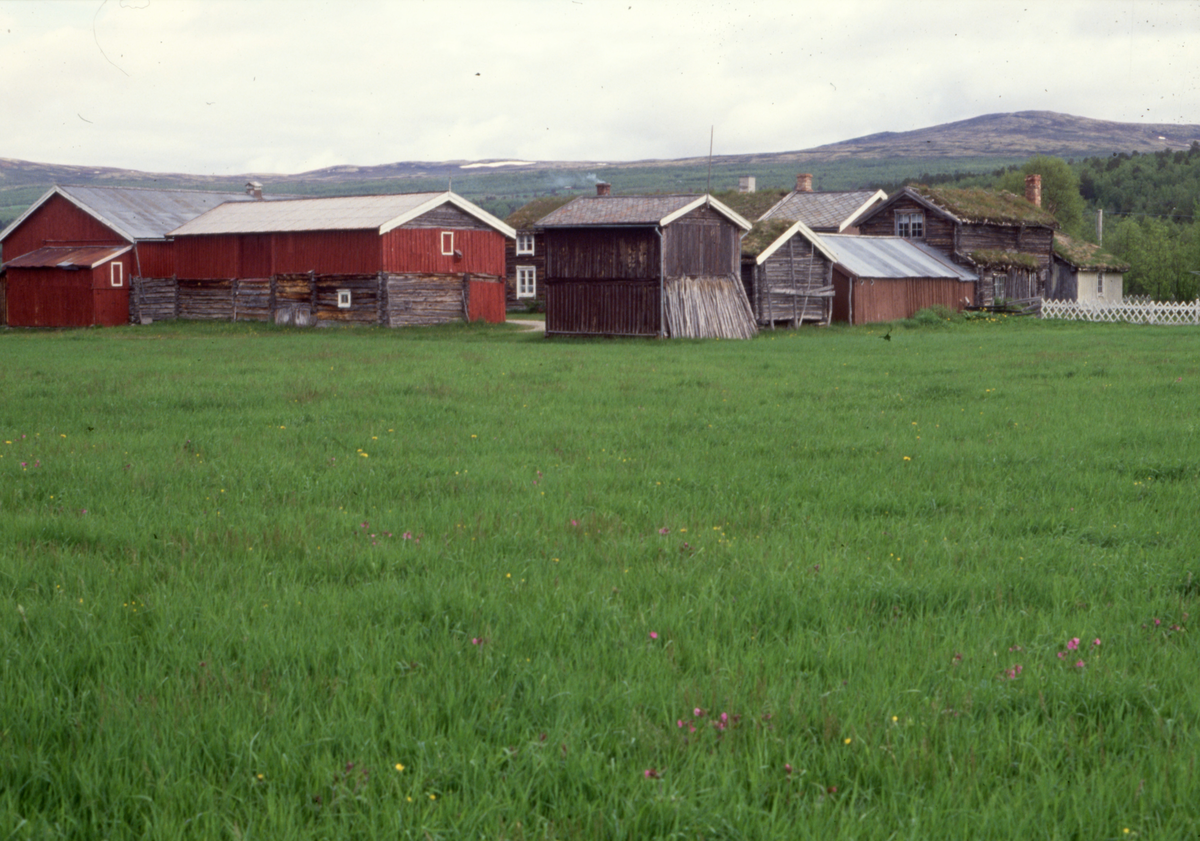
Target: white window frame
(525,243)
(526,281)
(447,237)
(116,274)
(1099,284)
(910,224)
(343,299)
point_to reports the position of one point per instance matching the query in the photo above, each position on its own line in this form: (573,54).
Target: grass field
(466,582)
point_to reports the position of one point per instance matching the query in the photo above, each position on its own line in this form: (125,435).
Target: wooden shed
(525,254)
(74,254)
(1083,271)
(645,266)
(1007,240)
(412,258)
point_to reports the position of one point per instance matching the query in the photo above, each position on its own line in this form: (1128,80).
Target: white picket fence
(1130,310)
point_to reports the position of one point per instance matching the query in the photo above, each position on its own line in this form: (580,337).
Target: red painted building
(71,257)
(413,258)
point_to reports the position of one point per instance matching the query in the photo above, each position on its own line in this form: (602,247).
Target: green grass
(246,571)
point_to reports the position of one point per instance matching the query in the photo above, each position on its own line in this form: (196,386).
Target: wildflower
(1157,621)
(476,641)
(1073,644)
(654,635)
(847,741)
(664,530)
(1079,664)
(787,767)
(679,723)
(407,535)
(399,767)
(651,773)
(1096,642)
(908,458)
(574,522)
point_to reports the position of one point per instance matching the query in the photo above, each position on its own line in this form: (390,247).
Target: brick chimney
(1033,189)
(603,188)
(746,184)
(804,182)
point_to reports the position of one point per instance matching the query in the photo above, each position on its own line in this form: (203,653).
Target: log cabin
(1007,240)
(664,266)
(525,254)
(396,260)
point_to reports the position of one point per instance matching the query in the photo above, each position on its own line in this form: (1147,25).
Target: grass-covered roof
(1086,255)
(524,217)
(750,205)
(762,235)
(998,258)
(980,206)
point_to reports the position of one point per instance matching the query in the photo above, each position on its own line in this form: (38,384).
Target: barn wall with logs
(307,298)
(870,301)
(793,286)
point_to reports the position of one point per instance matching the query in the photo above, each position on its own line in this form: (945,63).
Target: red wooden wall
(69,298)
(486,301)
(58,222)
(419,250)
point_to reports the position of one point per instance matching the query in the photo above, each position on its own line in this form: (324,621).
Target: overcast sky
(272,86)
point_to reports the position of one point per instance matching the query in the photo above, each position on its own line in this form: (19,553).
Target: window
(116,274)
(524,243)
(343,299)
(910,225)
(526,281)
(1100,284)
(447,243)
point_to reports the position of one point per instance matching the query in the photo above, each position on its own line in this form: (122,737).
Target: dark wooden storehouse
(74,255)
(1085,272)
(645,266)
(414,258)
(1007,240)
(525,253)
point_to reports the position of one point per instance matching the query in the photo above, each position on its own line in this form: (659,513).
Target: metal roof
(826,211)
(67,257)
(892,257)
(135,213)
(633,210)
(335,213)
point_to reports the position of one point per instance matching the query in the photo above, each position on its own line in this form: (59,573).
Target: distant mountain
(975,145)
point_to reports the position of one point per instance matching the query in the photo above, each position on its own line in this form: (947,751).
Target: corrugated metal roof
(632,210)
(67,257)
(334,213)
(827,211)
(892,257)
(140,213)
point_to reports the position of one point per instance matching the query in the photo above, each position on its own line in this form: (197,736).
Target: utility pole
(1100,226)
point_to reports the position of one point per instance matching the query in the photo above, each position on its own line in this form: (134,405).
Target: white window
(447,243)
(343,299)
(526,281)
(1100,284)
(116,274)
(524,243)
(910,225)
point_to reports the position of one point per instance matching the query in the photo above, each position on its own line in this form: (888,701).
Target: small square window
(910,225)
(343,299)
(447,243)
(526,281)
(524,243)
(116,274)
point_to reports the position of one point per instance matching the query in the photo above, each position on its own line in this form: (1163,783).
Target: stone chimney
(1033,189)
(603,188)
(804,182)
(746,184)
(254,189)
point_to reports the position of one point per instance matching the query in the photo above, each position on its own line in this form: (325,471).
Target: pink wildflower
(654,635)
(475,640)
(664,530)
(679,723)
(1096,642)
(697,712)
(651,773)
(787,767)
(407,535)
(1079,664)
(1073,644)
(574,522)
(1062,655)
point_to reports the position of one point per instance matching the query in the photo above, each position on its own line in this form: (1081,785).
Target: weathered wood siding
(701,244)
(153,299)
(601,254)
(537,260)
(939,231)
(603,307)
(794,286)
(869,301)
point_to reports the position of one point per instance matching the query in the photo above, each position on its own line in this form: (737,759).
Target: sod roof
(762,234)
(524,217)
(1086,255)
(750,205)
(979,206)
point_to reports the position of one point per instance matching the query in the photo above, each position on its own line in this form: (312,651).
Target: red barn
(413,258)
(73,255)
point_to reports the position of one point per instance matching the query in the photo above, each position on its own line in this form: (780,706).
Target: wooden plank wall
(603,308)
(896,298)
(701,244)
(794,286)
(602,254)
